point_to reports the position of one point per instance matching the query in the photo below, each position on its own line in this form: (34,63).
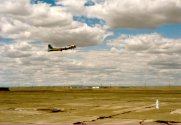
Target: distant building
(95,87)
(4,89)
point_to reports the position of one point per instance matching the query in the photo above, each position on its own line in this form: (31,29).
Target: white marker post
(157,104)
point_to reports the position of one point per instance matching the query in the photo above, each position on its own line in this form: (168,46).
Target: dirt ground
(59,105)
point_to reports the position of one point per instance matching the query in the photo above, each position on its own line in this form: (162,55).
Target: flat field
(131,105)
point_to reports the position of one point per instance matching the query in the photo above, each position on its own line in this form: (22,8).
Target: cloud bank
(50,24)
(136,14)
(150,58)
(126,60)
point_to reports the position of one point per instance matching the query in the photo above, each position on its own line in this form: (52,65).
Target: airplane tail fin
(49,47)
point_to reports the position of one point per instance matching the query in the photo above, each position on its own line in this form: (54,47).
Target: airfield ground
(40,105)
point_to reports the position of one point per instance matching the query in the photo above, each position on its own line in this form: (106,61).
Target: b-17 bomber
(50,48)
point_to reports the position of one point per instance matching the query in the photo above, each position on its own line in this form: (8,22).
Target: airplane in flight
(50,48)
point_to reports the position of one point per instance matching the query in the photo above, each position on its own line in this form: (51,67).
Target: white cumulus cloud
(50,24)
(135,14)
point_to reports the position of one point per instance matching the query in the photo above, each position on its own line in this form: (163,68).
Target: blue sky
(167,30)
(6,40)
(52,2)
(89,21)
